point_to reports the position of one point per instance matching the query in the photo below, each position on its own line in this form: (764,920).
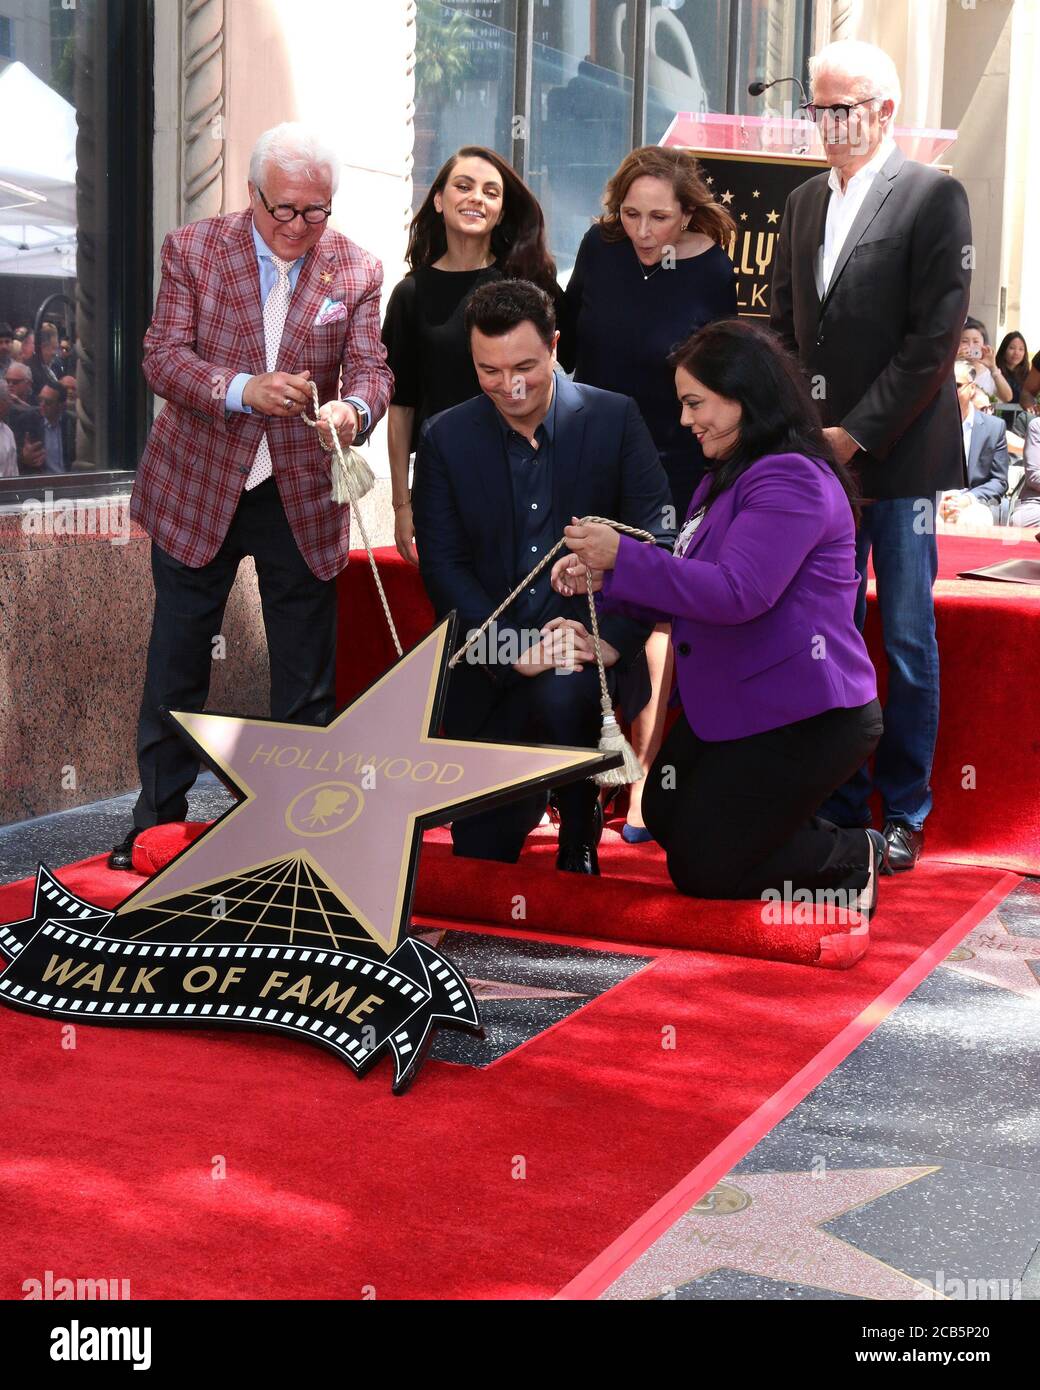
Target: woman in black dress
(478,222)
(649,273)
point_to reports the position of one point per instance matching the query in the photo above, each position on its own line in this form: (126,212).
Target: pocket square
(332,311)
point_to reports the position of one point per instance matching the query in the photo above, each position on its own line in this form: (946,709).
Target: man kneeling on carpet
(496,480)
(778,695)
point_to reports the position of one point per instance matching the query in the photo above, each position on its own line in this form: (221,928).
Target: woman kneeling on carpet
(778,695)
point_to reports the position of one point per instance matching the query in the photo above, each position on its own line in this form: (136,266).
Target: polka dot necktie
(276,308)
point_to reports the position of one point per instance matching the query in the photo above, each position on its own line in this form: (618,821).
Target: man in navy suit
(496,481)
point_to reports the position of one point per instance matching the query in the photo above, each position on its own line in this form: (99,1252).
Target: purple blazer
(761,604)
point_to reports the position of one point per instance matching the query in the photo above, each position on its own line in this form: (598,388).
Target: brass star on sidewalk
(351,801)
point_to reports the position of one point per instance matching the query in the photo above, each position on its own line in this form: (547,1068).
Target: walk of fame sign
(291,912)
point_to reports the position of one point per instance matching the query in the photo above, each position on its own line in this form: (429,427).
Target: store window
(75,232)
(585,81)
(581,113)
(464,82)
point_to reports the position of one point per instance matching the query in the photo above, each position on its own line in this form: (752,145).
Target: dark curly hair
(496,308)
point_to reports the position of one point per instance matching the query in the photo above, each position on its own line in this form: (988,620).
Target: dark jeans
(299,619)
(901,533)
(550,708)
(735,817)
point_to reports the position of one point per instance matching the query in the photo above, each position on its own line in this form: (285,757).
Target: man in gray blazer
(985,447)
(1027,508)
(870,289)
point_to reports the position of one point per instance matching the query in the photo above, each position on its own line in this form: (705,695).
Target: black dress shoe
(577,852)
(904,845)
(879,865)
(122,856)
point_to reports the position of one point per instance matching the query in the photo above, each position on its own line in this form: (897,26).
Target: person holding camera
(976,349)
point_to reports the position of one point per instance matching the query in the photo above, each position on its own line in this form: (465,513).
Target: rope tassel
(612,740)
(351,480)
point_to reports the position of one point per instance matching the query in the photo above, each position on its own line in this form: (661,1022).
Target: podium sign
(753,188)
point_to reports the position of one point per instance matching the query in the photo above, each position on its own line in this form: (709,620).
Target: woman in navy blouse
(649,273)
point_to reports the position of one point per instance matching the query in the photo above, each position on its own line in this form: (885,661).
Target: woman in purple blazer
(778,694)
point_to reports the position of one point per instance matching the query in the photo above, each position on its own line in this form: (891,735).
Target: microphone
(755,89)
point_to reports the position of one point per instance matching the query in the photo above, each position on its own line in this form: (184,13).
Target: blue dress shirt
(268,279)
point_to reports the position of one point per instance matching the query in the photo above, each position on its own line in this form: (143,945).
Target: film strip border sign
(357,1003)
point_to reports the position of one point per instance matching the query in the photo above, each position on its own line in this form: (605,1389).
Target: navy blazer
(604,464)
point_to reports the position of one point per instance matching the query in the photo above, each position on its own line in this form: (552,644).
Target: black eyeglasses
(839,112)
(285,212)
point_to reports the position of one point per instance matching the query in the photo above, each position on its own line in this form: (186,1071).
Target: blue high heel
(635,834)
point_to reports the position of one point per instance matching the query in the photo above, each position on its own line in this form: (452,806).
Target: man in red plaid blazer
(252,308)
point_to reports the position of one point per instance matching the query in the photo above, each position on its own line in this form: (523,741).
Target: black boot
(579,836)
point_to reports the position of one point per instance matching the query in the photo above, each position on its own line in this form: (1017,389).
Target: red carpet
(335,1189)
(633,901)
(987,763)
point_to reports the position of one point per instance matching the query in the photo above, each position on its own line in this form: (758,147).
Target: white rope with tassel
(352,479)
(611,740)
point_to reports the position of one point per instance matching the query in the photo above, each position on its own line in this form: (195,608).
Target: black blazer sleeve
(781,296)
(939,289)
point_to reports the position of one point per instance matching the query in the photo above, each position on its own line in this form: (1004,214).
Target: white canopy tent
(37,177)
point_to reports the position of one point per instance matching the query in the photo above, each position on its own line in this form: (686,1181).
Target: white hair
(4,392)
(296,150)
(869,69)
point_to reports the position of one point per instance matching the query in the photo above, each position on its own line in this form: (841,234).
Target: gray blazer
(1030,493)
(988,461)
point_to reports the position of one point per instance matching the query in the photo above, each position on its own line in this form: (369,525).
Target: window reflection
(464,61)
(37,241)
(581,114)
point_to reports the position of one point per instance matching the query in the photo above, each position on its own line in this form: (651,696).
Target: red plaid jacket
(208,326)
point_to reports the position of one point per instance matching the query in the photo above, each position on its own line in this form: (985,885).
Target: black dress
(426,343)
(623,324)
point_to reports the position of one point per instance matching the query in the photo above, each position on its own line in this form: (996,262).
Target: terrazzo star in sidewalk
(770,1225)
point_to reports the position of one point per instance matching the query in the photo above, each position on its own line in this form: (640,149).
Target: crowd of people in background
(37,401)
(1001,422)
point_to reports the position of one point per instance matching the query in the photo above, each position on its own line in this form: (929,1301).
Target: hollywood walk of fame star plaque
(291,912)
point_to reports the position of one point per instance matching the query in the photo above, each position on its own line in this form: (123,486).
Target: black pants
(299,619)
(550,708)
(737,817)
